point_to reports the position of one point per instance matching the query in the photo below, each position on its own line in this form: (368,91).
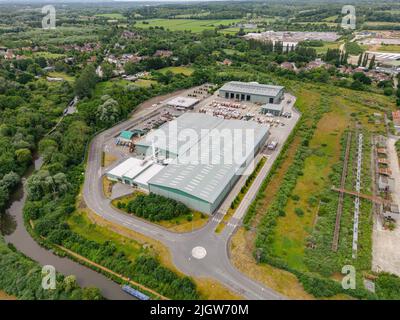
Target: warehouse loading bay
(200,100)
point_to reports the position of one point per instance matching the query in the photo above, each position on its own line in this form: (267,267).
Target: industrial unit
(202,182)
(252,92)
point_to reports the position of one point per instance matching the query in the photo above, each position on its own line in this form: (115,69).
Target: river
(15,233)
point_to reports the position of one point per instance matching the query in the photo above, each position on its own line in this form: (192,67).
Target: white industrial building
(183,103)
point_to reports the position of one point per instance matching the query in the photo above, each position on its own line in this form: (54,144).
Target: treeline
(22,278)
(155,207)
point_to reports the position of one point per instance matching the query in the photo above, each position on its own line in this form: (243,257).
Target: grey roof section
(173,141)
(273,106)
(208,177)
(252,88)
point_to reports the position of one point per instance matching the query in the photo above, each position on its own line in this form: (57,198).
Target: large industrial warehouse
(200,172)
(252,92)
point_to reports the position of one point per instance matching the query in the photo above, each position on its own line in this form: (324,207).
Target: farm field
(380,23)
(192,25)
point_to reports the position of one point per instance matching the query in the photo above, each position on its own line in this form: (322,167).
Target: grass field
(187,71)
(380,23)
(80,223)
(192,25)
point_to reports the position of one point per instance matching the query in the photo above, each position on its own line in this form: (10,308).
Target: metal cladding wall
(187,199)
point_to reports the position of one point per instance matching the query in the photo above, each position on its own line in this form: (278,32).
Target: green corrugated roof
(126,135)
